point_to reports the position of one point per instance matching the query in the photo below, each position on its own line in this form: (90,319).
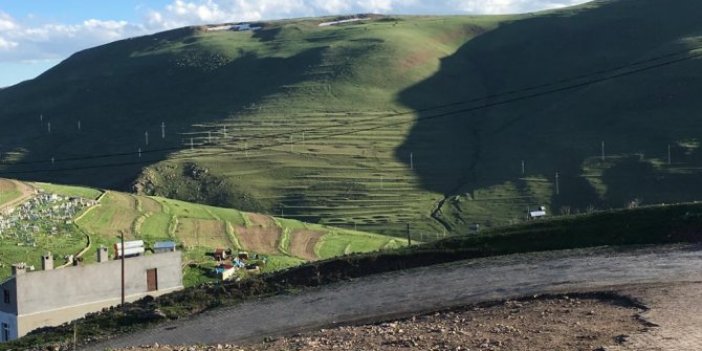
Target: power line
(348,132)
(441,106)
(397,114)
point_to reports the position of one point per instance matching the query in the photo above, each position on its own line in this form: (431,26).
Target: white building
(51,297)
(540,213)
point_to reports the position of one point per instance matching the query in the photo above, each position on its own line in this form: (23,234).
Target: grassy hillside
(621,229)
(338,125)
(8,191)
(199,229)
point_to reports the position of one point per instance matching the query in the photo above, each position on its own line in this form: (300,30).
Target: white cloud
(23,43)
(6,44)
(6,22)
(185,12)
(182,12)
(332,6)
(510,6)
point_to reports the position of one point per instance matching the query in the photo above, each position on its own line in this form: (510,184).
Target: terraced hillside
(198,228)
(440,122)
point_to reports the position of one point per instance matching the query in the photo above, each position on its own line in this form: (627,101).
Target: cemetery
(45,213)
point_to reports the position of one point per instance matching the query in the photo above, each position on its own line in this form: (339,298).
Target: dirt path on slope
(303,242)
(26,191)
(261,237)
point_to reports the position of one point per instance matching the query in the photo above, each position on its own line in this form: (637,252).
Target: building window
(5,332)
(6,296)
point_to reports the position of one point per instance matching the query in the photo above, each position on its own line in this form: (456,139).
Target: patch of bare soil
(417,59)
(675,317)
(26,191)
(261,237)
(150,205)
(202,232)
(302,243)
(563,323)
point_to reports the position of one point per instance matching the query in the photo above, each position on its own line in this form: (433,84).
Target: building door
(5,332)
(151,279)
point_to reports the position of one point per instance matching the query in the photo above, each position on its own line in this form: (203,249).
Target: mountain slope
(55,221)
(339,124)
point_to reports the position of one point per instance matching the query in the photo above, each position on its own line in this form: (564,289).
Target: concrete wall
(56,317)
(48,298)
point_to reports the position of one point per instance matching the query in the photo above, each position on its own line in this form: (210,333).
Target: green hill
(342,125)
(616,232)
(198,229)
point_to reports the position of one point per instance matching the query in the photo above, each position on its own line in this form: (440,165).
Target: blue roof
(164,244)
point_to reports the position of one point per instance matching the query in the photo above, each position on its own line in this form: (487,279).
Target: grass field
(68,190)
(198,229)
(619,229)
(8,191)
(341,122)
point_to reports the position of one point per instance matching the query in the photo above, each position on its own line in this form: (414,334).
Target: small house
(238,263)
(225,271)
(540,213)
(131,249)
(164,246)
(220,254)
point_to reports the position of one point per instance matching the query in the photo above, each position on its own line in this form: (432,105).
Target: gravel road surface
(397,294)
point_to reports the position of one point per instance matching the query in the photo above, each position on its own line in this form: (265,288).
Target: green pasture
(70,190)
(377,124)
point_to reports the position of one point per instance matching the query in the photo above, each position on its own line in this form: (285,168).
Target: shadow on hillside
(555,133)
(126,95)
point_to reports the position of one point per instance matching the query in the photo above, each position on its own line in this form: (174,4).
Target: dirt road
(385,296)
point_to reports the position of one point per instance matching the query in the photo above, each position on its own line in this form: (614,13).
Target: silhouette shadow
(129,94)
(555,133)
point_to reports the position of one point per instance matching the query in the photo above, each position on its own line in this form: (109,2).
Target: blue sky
(38,34)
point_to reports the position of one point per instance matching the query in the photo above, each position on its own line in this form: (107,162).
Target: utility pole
(558,189)
(523,167)
(603,150)
(163,130)
(409,237)
(75,336)
(41,118)
(146,138)
(121,237)
(48,127)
